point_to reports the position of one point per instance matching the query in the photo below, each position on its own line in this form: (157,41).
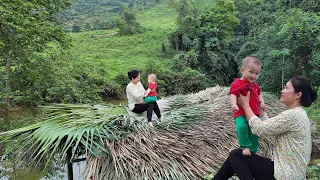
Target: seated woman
(289,132)
(135,93)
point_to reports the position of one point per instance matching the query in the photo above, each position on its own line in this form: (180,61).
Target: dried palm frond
(79,127)
(196,137)
(85,128)
(185,153)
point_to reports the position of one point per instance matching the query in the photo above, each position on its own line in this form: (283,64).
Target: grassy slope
(122,53)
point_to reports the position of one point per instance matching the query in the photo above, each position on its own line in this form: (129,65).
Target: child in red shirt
(250,71)
(151,93)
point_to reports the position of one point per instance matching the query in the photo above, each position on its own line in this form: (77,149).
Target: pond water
(18,174)
(117,102)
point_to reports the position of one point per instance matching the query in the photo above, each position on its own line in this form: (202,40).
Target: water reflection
(117,102)
(78,172)
(18,174)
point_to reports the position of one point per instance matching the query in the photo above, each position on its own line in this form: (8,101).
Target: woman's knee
(236,152)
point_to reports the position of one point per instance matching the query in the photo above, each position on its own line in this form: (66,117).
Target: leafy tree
(206,46)
(76,28)
(127,24)
(25,29)
(289,48)
(304,5)
(221,19)
(187,22)
(88,26)
(99,24)
(253,16)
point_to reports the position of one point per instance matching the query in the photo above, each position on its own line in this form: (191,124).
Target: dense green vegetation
(93,67)
(189,45)
(25,30)
(55,53)
(283,34)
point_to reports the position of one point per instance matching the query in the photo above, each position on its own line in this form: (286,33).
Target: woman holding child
(289,132)
(135,94)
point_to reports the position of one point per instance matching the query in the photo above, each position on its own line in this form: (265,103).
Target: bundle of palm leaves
(194,140)
(188,152)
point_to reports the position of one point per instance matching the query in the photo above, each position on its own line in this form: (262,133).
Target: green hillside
(121,53)
(189,45)
(100,12)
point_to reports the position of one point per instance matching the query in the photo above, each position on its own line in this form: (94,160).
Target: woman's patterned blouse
(291,133)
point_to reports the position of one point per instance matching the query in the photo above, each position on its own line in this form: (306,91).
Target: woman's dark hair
(308,94)
(133,74)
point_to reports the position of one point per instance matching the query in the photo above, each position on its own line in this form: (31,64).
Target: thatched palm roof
(196,137)
(186,153)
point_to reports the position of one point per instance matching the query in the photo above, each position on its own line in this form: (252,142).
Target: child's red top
(152,86)
(240,86)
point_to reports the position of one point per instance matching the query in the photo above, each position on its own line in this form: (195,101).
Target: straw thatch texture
(195,139)
(185,153)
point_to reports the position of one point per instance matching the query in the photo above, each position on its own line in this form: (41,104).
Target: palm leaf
(194,140)
(84,128)
(71,126)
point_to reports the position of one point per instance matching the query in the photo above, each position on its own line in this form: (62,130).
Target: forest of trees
(284,34)
(205,49)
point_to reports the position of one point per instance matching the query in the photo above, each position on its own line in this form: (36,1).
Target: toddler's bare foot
(246,152)
(150,124)
(160,119)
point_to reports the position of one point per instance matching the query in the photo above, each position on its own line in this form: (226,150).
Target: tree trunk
(176,41)
(282,72)
(7,89)
(0,150)
(69,164)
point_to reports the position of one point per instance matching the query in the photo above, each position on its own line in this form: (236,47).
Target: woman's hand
(243,101)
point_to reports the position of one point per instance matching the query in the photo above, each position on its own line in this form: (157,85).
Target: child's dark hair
(308,94)
(133,74)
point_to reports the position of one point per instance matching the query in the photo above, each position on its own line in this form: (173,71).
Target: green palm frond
(82,127)
(86,129)
(185,152)
(196,136)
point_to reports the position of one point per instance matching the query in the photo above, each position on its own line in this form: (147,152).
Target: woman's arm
(273,126)
(147,92)
(269,127)
(244,103)
(134,92)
